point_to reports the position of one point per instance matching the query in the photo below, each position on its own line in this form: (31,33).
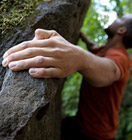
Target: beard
(109,32)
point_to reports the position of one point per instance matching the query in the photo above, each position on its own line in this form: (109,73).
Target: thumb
(44,34)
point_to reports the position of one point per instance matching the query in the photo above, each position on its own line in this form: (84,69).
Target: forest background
(100,15)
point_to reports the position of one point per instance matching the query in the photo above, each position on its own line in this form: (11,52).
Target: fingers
(28,53)
(29,44)
(44,34)
(39,55)
(45,72)
(42,39)
(38,61)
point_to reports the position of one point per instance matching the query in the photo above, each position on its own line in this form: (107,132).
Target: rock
(29,107)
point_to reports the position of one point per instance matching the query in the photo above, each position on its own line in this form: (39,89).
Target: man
(105,73)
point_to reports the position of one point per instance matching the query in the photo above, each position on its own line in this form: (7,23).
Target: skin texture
(49,55)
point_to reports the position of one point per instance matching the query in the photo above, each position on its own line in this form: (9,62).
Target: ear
(122,30)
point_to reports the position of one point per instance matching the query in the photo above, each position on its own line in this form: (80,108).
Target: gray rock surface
(29,107)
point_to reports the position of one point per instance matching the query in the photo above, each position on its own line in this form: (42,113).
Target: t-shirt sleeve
(121,59)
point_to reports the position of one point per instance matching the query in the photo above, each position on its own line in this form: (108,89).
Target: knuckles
(41,73)
(54,32)
(52,74)
(24,45)
(57,51)
(40,60)
(52,42)
(29,52)
(38,31)
(11,57)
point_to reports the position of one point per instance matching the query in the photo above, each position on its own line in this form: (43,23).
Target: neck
(115,42)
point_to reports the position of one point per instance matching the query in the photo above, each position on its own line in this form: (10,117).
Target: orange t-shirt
(99,107)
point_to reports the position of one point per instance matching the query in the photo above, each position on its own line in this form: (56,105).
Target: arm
(50,55)
(90,45)
(100,71)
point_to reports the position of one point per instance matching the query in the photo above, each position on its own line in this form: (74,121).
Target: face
(119,22)
(112,29)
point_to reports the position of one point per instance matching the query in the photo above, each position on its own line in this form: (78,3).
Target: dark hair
(127,39)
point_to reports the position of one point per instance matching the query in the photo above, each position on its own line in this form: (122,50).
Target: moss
(14,12)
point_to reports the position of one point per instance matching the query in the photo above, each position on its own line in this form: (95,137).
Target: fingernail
(33,70)
(4,62)
(5,55)
(12,64)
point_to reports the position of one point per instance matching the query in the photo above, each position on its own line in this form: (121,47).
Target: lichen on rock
(14,12)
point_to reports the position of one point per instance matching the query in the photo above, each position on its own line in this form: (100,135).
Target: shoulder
(121,58)
(118,53)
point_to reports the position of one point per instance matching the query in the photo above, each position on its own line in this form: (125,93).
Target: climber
(105,71)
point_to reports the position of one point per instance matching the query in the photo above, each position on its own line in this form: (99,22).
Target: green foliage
(122,6)
(70,95)
(91,29)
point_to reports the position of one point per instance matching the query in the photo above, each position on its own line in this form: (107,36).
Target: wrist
(86,63)
(82,59)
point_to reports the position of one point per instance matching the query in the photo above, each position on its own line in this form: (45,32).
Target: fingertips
(5,62)
(5,55)
(18,47)
(37,72)
(10,51)
(14,66)
(33,71)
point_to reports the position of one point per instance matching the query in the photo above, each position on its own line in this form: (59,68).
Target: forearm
(49,55)
(99,71)
(90,45)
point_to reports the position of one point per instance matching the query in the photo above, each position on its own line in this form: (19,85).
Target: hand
(47,55)
(83,36)
(90,45)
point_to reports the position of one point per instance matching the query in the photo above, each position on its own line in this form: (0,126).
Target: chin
(109,32)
